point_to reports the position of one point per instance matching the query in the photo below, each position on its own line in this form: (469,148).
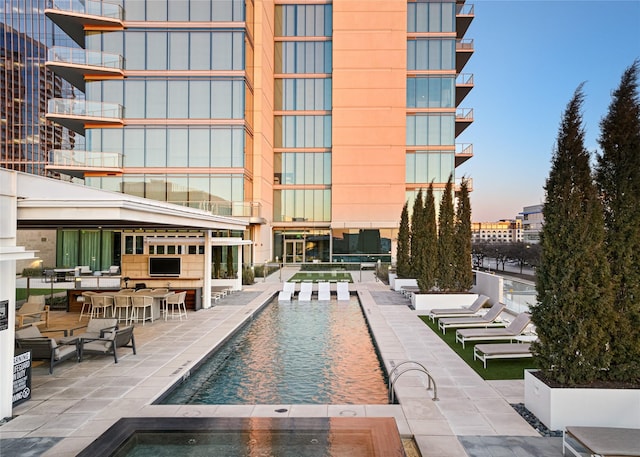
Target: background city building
(503,231)
(532,221)
(311,126)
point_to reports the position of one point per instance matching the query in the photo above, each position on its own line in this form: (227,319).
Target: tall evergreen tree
(573,316)
(618,177)
(446,240)
(403,262)
(417,236)
(463,270)
(428,277)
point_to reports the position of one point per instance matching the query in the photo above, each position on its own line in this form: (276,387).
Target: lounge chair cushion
(608,440)
(28,332)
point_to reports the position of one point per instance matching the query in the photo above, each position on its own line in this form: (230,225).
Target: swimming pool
(292,353)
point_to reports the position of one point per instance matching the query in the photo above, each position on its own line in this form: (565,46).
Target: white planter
(561,407)
(399,283)
(427,302)
(392,280)
(233,283)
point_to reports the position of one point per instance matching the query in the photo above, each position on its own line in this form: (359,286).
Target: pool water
(292,353)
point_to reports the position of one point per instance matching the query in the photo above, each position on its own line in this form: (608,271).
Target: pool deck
(472,417)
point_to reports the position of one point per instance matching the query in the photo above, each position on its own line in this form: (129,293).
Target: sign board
(21,376)
(4,314)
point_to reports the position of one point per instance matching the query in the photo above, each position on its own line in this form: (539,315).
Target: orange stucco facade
(369,110)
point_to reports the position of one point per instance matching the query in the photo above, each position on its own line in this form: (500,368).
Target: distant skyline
(530,56)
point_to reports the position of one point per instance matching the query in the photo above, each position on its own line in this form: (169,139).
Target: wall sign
(21,376)
(4,314)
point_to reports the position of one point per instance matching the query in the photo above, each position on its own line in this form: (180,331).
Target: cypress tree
(428,276)
(417,236)
(573,315)
(403,264)
(618,177)
(446,240)
(463,271)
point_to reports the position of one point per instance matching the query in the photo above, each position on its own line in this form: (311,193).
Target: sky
(530,56)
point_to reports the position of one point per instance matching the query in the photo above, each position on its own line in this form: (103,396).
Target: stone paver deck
(76,404)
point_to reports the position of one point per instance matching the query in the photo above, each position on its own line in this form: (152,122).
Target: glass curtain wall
(185,103)
(302,142)
(431,75)
(26,36)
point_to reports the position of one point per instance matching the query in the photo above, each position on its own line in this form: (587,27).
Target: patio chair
(175,305)
(33,312)
(306,289)
(85,298)
(324,291)
(514,330)
(487,320)
(45,348)
(109,343)
(288,289)
(83,270)
(97,327)
(459,312)
(101,302)
(139,305)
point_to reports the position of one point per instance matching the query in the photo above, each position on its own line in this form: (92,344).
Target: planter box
(399,283)
(392,280)
(233,283)
(427,302)
(560,407)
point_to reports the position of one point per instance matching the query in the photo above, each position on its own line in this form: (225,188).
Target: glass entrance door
(294,251)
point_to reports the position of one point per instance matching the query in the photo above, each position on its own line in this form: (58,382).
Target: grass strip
(496,368)
(21,293)
(322,276)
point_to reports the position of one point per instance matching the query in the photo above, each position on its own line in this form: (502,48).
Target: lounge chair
(459,312)
(324,291)
(485,352)
(343,291)
(514,330)
(45,348)
(109,344)
(97,327)
(487,320)
(288,288)
(306,289)
(601,441)
(33,312)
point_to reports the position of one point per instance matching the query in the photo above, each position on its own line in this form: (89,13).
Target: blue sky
(530,56)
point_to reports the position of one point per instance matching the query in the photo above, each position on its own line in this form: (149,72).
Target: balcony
(464,118)
(458,182)
(464,15)
(77,65)
(464,51)
(464,84)
(251,211)
(77,163)
(72,16)
(77,115)
(464,152)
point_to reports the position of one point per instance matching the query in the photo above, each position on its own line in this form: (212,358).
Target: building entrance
(294,251)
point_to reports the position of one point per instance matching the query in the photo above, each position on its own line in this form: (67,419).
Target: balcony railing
(77,56)
(464,79)
(251,210)
(464,114)
(90,7)
(464,148)
(85,159)
(465,44)
(465,9)
(83,108)
(519,296)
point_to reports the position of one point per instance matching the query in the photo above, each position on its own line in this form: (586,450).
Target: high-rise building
(315,120)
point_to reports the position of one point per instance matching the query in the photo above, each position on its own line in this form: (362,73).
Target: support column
(206,283)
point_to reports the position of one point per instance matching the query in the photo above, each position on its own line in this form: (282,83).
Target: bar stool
(176,305)
(120,303)
(101,302)
(141,303)
(85,298)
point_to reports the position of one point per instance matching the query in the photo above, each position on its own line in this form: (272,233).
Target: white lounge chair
(459,312)
(324,291)
(485,352)
(306,289)
(601,441)
(514,330)
(343,291)
(487,320)
(288,288)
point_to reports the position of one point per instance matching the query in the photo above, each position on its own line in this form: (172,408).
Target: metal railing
(91,7)
(79,158)
(420,368)
(465,10)
(83,108)
(464,114)
(464,79)
(519,296)
(465,44)
(232,209)
(83,57)
(464,148)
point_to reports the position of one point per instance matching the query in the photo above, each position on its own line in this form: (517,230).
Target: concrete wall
(43,241)
(490,285)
